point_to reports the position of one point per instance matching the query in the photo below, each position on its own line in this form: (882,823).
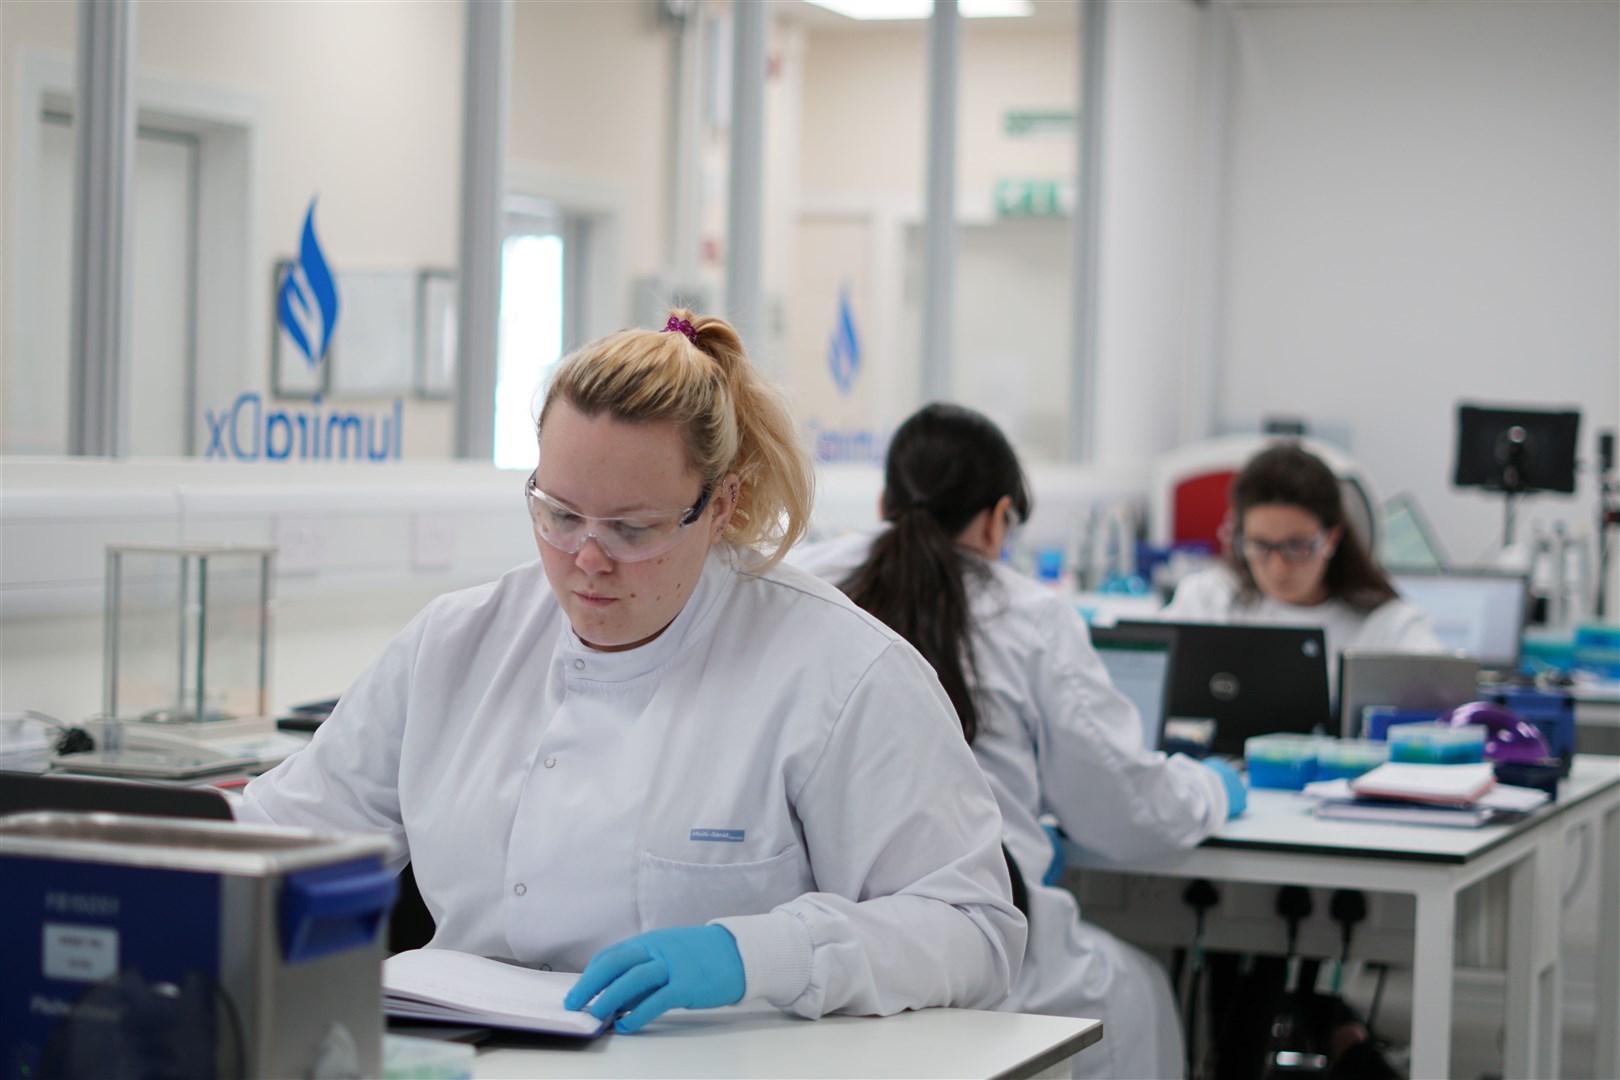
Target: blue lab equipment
(1378,720)
(1551,712)
(153,946)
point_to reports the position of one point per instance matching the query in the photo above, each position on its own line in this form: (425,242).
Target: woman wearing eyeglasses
(1048,728)
(656,754)
(1294,560)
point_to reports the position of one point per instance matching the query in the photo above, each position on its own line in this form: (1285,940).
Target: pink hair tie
(683,326)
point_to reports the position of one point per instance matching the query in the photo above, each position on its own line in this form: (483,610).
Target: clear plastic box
(1344,759)
(1437,744)
(1283,762)
(187,632)
(411,1057)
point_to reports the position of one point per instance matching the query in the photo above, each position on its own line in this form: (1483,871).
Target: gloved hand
(1237,793)
(687,967)
(1054,869)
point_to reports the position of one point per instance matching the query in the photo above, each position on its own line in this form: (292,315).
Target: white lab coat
(776,762)
(1056,737)
(1210,595)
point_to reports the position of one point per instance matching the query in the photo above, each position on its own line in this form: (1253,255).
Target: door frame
(230,322)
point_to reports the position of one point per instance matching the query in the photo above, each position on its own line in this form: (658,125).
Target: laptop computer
(1139,660)
(1479,613)
(1416,681)
(1232,681)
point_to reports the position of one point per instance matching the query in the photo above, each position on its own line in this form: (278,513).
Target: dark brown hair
(1288,475)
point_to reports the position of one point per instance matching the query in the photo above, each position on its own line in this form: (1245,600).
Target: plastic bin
(1282,762)
(1437,744)
(1347,758)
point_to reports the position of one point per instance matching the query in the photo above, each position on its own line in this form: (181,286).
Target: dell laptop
(1233,681)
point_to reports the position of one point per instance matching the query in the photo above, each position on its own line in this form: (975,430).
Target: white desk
(759,1041)
(1278,842)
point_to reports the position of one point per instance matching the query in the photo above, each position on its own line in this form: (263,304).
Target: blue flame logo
(844,349)
(309,294)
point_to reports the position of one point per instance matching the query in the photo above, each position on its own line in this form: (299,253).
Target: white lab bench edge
(757,1040)
(1277,841)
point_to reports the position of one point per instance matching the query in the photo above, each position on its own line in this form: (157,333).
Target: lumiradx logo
(307,307)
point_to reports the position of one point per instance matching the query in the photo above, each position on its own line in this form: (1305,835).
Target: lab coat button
(520,888)
(551,762)
(579,665)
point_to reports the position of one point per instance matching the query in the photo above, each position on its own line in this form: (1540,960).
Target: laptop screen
(1139,668)
(1479,613)
(1231,681)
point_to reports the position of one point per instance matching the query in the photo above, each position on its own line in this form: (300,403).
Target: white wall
(1423,207)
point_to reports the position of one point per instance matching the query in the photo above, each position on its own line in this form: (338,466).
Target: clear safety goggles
(1293,552)
(630,538)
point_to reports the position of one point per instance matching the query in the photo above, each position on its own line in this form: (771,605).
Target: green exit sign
(1039,123)
(1030,198)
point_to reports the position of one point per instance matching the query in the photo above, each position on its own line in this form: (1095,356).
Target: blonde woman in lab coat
(659,756)
(1293,560)
(1049,730)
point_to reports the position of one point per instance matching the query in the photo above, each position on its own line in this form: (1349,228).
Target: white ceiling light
(922,9)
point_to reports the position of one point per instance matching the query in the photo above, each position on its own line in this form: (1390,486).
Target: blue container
(1346,759)
(1281,762)
(1378,719)
(1551,712)
(1437,744)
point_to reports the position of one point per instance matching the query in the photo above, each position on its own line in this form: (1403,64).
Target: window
(539,295)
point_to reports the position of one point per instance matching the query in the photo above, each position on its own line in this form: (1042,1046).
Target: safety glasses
(630,538)
(1293,552)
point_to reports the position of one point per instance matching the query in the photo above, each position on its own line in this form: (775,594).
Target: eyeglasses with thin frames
(629,538)
(1293,552)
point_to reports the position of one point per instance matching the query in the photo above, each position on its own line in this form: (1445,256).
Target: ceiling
(1048,13)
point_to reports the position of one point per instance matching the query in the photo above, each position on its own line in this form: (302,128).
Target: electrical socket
(1149,892)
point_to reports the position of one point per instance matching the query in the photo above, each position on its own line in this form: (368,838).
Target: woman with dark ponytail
(1050,732)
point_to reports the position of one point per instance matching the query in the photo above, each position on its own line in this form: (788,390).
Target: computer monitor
(1479,613)
(1139,661)
(1516,450)
(1230,681)
(1406,539)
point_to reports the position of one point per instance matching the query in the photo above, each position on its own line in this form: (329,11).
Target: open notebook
(438,984)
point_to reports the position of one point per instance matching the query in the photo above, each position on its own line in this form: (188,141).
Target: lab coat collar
(585,665)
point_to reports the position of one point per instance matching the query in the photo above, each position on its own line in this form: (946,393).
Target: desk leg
(1432,958)
(1531,1006)
(1607,1060)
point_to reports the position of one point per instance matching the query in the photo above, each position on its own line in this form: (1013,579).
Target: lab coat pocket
(672,893)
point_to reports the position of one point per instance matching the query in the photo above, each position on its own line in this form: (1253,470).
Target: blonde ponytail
(696,374)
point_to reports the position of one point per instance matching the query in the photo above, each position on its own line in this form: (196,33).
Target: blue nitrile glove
(1237,793)
(685,967)
(1054,869)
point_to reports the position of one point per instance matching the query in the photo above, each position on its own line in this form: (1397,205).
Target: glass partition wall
(295,217)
